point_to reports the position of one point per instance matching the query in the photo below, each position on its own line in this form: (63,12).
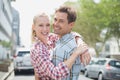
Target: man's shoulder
(76,34)
(70,44)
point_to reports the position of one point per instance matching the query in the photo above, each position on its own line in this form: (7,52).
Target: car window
(22,53)
(92,62)
(100,62)
(115,63)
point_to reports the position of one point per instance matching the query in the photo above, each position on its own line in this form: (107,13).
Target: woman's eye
(48,25)
(55,19)
(40,25)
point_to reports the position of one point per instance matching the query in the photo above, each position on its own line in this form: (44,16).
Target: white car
(22,60)
(83,68)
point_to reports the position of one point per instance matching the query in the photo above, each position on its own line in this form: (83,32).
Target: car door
(91,67)
(101,66)
(94,69)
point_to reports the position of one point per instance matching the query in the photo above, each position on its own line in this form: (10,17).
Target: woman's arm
(36,76)
(44,67)
(85,57)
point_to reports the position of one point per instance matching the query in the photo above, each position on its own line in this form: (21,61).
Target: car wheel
(86,73)
(16,72)
(100,77)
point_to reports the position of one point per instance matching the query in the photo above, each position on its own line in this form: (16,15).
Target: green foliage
(5,44)
(94,17)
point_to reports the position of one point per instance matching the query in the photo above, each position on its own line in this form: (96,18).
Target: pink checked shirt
(40,58)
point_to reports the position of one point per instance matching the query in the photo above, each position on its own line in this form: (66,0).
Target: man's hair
(70,12)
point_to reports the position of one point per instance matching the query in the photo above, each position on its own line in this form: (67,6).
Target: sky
(28,9)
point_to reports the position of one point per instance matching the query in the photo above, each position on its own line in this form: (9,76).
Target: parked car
(104,68)
(93,60)
(22,60)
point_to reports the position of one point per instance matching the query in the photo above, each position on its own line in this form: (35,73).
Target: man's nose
(56,22)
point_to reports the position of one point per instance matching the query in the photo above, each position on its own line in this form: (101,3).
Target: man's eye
(61,21)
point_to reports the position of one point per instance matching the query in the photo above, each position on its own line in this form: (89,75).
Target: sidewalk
(6,75)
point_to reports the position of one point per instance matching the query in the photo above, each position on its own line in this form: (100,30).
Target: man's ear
(72,24)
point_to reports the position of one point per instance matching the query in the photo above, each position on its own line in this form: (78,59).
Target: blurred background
(98,22)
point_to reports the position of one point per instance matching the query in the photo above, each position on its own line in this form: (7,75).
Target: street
(28,75)
(82,77)
(24,75)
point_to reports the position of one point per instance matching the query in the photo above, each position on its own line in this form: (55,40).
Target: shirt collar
(39,41)
(65,37)
(36,39)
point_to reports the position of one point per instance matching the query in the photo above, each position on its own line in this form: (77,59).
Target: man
(64,20)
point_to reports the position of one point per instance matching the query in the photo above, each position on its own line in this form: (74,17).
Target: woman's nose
(45,28)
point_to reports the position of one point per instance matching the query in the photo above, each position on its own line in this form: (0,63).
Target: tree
(94,17)
(5,44)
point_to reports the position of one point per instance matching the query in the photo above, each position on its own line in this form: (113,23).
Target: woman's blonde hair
(34,22)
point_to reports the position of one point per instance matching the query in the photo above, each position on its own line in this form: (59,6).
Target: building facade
(16,26)
(7,33)
(111,49)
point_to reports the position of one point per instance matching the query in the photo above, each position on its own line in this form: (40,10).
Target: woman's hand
(85,58)
(80,50)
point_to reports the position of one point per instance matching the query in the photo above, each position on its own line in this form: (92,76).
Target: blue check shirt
(62,51)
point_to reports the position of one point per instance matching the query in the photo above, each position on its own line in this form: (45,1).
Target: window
(115,63)
(22,53)
(107,48)
(100,62)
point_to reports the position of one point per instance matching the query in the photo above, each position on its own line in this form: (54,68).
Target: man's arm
(85,56)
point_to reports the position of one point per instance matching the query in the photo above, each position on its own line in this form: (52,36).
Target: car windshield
(22,53)
(115,64)
(92,62)
(100,62)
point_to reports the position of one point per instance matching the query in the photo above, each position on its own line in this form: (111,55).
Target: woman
(44,42)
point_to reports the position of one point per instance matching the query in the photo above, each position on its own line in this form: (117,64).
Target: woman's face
(42,27)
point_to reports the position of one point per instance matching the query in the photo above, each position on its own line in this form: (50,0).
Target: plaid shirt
(62,51)
(40,58)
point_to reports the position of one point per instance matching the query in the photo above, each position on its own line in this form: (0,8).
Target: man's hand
(85,58)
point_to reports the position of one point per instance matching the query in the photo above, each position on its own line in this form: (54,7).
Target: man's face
(61,25)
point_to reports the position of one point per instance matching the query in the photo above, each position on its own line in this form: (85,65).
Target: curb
(8,74)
